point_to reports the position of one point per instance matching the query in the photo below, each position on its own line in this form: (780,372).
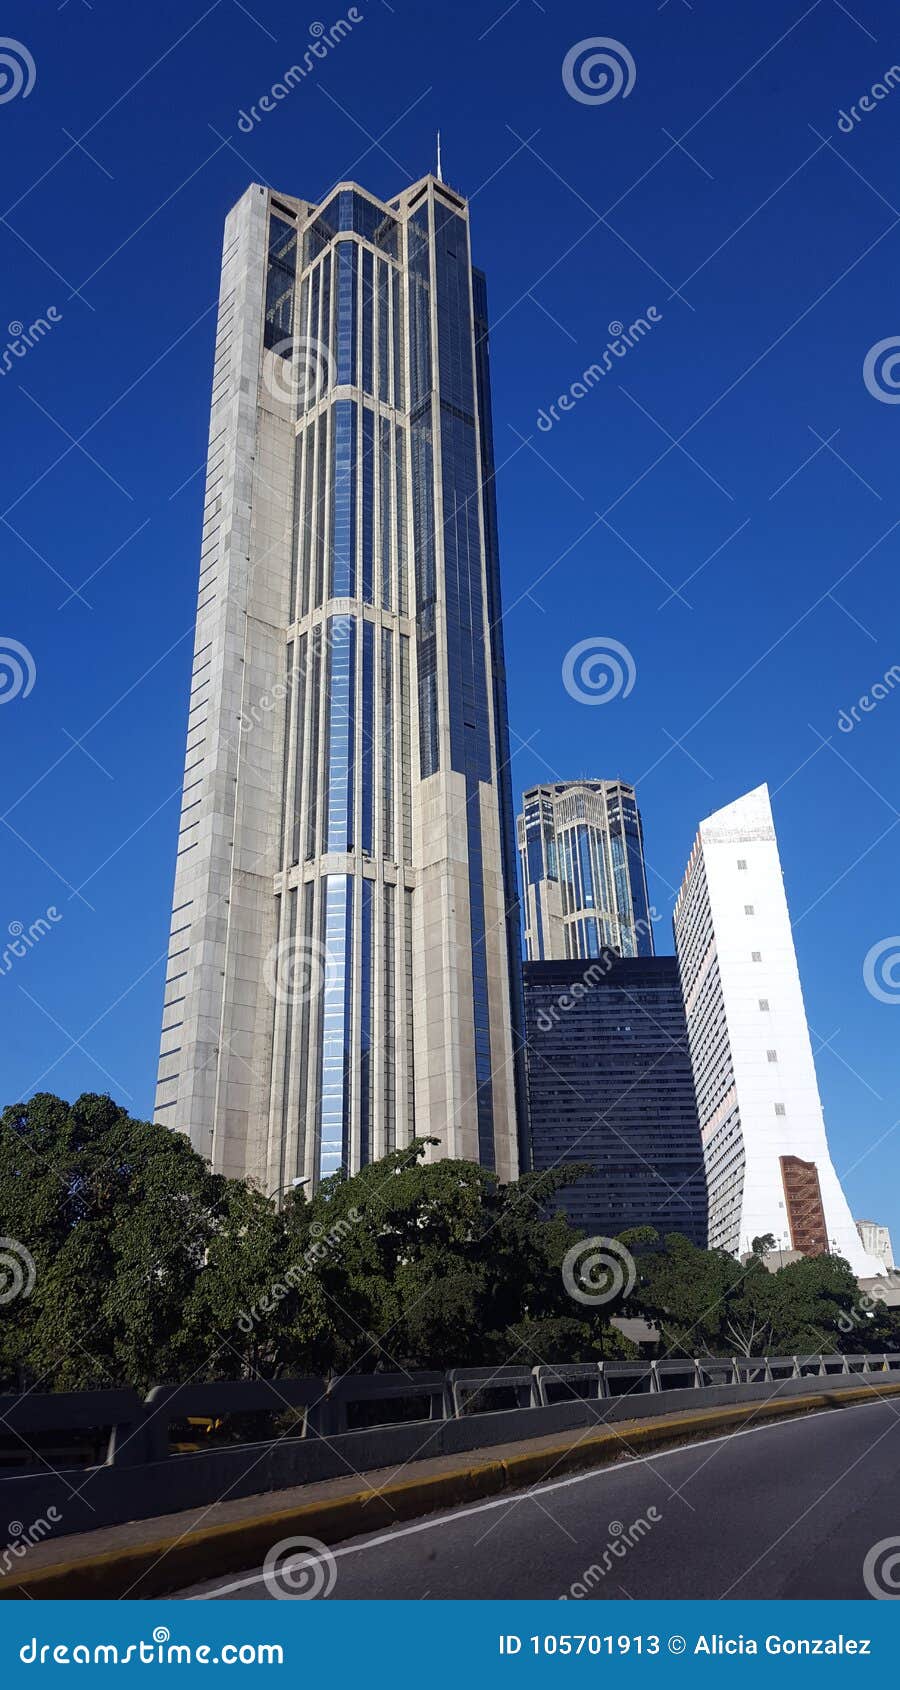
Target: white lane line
(506,1501)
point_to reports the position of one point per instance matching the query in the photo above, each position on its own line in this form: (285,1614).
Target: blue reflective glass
(367,732)
(340,732)
(343,510)
(336,1006)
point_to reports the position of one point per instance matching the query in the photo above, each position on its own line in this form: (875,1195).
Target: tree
(142,1256)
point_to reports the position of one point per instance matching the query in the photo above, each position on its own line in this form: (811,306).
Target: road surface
(786,1510)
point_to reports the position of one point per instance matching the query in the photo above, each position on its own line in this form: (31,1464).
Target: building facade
(767,1160)
(344,959)
(610,1084)
(581,851)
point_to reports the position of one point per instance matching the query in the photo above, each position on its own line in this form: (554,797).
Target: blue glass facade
(582,860)
(394,680)
(610,1084)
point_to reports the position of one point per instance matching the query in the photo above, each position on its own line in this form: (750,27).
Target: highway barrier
(100,1458)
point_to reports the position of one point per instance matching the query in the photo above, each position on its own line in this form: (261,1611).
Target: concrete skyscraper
(768,1166)
(581,849)
(344,961)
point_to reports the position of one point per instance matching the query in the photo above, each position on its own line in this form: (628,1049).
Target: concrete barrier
(139,1480)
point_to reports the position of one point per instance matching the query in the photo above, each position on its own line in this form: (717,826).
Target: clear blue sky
(723,174)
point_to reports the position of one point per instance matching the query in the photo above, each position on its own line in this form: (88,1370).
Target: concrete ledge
(162,1555)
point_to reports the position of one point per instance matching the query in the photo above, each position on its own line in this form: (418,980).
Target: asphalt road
(786,1510)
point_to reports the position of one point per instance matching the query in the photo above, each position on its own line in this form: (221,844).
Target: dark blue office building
(610,1084)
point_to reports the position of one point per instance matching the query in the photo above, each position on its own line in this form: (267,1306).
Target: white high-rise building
(768,1166)
(344,961)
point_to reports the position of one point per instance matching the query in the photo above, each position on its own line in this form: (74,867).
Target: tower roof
(747,818)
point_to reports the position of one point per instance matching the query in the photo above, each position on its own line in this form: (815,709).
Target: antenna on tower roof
(439,172)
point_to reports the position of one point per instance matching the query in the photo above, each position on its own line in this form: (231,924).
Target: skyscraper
(343,969)
(581,849)
(610,1084)
(767,1160)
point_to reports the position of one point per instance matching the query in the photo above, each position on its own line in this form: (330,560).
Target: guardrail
(99,1458)
(131,1432)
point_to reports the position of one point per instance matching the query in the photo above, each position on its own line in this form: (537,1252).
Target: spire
(439,172)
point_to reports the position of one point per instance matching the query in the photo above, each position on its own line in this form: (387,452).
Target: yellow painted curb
(175,1561)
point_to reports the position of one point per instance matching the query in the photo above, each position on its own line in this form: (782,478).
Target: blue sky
(724,503)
